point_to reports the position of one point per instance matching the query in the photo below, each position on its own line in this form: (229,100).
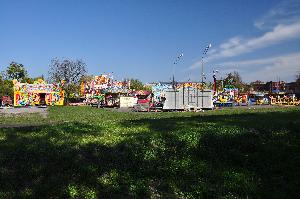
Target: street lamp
(173,81)
(202,69)
(175,63)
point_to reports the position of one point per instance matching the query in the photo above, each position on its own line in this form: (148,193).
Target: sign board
(127,102)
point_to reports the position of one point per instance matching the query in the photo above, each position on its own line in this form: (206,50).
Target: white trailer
(187,98)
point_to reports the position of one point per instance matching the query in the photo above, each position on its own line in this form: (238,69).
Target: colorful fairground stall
(225,97)
(38,93)
(104,90)
(144,100)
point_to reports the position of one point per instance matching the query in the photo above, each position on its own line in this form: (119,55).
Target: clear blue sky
(142,38)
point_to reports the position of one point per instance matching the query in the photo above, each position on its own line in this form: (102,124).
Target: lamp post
(202,72)
(173,80)
(176,62)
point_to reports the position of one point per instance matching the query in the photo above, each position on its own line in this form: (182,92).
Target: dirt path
(23,110)
(12,112)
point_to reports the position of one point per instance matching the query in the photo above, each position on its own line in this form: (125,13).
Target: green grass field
(82,152)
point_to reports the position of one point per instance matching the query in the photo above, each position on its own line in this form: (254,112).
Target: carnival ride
(146,102)
(104,91)
(283,100)
(255,98)
(227,97)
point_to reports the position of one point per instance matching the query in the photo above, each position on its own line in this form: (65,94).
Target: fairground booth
(105,89)
(38,93)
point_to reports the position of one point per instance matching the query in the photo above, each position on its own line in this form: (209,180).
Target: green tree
(86,78)
(235,80)
(136,84)
(6,86)
(16,71)
(148,88)
(31,80)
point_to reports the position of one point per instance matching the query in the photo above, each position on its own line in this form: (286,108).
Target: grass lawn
(83,152)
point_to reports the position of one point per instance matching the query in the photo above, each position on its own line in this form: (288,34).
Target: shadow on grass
(229,156)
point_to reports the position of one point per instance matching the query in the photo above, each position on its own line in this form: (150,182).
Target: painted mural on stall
(38,93)
(104,84)
(104,88)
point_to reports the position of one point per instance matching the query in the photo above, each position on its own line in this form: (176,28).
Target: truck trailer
(187,98)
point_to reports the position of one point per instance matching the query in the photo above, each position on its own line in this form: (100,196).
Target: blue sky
(141,38)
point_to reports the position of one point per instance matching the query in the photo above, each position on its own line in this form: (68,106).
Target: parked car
(6,101)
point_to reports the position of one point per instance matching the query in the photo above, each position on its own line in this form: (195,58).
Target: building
(259,86)
(269,87)
(293,88)
(275,87)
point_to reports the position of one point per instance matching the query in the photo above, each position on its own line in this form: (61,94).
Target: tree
(31,80)
(16,71)
(236,80)
(6,86)
(233,79)
(86,78)
(136,84)
(68,71)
